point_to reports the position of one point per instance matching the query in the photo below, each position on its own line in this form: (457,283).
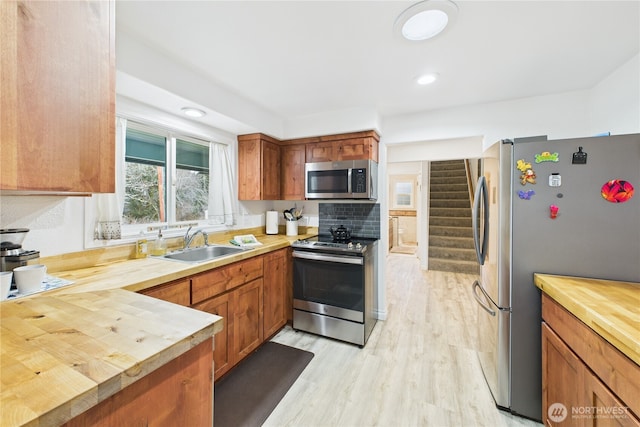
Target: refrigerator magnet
(553,211)
(579,157)
(546,156)
(617,191)
(528,175)
(526,195)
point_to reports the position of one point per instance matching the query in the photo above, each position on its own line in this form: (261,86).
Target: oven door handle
(328,258)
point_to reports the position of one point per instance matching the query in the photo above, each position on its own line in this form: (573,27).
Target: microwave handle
(349,179)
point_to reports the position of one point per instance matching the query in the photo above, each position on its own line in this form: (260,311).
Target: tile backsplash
(363,219)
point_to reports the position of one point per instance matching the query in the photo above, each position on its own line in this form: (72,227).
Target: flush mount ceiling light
(426,19)
(426,79)
(193,112)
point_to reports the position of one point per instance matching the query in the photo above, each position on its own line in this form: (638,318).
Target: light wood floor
(417,369)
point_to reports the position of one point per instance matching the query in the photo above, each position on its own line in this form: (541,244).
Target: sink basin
(205,253)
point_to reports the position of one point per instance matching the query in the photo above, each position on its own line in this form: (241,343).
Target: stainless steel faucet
(188,238)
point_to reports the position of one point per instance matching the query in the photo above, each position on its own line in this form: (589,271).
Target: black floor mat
(248,394)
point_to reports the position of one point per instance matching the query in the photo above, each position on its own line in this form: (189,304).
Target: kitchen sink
(202,254)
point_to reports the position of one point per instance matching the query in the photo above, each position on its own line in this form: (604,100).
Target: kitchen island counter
(610,308)
(68,349)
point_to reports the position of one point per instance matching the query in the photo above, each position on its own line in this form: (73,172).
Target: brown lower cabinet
(275,276)
(585,380)
(221,353)
(250,295)
(241,309)
(179,393)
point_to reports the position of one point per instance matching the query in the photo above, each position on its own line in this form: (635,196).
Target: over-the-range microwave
(350,179)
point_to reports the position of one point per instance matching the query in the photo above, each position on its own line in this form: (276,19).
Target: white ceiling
(297,58)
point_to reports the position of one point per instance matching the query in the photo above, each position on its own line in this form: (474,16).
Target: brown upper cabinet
(57,108)
(292,178)
(258,167)
(349,146)
(269,169)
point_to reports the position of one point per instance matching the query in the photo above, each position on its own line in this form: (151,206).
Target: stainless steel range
(334,286)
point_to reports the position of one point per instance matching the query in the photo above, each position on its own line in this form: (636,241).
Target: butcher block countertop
(610,308)
(65,350)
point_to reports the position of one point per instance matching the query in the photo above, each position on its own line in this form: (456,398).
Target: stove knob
(350,245)
(358,245)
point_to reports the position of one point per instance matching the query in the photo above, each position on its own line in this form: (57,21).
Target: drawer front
(212,283)
(178,292)
(616,370)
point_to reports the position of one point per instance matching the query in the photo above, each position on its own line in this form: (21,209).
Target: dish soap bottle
(141,246)
(160,245)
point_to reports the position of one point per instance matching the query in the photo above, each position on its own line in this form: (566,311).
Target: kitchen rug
(247,395)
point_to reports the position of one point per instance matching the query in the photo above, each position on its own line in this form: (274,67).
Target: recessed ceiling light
(426,79)
(426,19)
(193,112)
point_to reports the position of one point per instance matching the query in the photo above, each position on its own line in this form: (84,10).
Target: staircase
(450,233)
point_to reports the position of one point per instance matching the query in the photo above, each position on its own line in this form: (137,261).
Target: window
(402,192)
(155,158)
(192,181)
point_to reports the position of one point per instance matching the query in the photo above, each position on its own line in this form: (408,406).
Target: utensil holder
(292,228)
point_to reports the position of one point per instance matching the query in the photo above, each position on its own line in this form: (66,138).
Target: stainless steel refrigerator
(540,207)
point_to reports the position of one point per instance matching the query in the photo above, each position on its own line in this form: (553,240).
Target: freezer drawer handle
(488,309)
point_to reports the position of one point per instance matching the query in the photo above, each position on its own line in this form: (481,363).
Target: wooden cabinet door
(562,378)
(249,169)
(270,171)
(178,292)
(292,177)
(351,150)
(275,275)
(320,152)
(258,168)
(220,306)
(613,413)
(354,149)
(247,319)
(57,109)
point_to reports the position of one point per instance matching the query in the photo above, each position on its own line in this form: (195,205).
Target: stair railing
(470,181)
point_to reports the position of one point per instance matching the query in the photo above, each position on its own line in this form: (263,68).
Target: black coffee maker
(12,254)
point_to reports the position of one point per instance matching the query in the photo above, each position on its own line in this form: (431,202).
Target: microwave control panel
(359,181)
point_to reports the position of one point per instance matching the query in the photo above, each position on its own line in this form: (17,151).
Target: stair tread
(449,260)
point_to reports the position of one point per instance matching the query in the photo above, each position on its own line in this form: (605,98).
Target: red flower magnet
(617,191)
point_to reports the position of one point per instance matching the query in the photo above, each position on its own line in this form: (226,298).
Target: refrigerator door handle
(481,194)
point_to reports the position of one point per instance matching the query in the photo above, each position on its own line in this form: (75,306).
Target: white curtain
(108,207)
(220,185)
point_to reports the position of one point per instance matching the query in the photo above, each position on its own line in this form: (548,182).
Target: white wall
(55,223)
(614,104)
(558,116)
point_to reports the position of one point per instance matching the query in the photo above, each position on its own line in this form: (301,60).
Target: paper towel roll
(272,222)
